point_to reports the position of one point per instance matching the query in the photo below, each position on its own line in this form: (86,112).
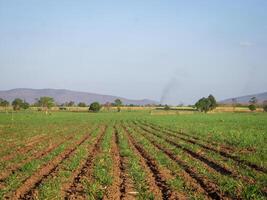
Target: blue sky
(174,51)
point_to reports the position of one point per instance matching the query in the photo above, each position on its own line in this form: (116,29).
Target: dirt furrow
(12,169)
(126,186)
(151,178)
(222,152)
(26,190)
(209,187)
(208,162)
(76,189)
(216,144)
(161,182)
(23,150)
(113,191)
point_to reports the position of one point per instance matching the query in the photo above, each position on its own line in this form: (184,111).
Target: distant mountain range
(245,99)
(62,96)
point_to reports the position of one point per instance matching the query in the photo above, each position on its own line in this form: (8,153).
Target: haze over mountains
(63,95)
(245,99)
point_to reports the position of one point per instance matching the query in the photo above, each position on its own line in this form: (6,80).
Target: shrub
(17,103)
(82,104)
(265,108)
(166,107)
(95,107)
(25,105)
(206,104)
(252,107)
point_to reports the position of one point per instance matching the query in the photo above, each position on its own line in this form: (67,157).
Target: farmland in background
(130,155)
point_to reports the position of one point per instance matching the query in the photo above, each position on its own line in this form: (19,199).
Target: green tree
(264,106)
(252,107)
(25,105)
(206,104)
(95,107)
(17,103)
(46,103)
(82,104)
(213,102)
(118,103)
(4,102)
(71,103)
(166,107)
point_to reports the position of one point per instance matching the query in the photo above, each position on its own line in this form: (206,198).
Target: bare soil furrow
(229,172)
(26,190)
(210,188)
(220,151)
(125,182)
(153,187)
(113,191)
(127,190)
(25,149)
(216,144)
(208,162)
(76,189)
(12,169)
(151,179)
(151,163)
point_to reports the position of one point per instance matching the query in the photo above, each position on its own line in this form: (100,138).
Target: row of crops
(123,158)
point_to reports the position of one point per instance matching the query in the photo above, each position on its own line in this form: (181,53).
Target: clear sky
(177,51)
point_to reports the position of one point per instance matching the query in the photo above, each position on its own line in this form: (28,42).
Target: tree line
(205,104)
(209,103)
(47,102)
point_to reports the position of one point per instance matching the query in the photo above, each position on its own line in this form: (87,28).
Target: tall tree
(252,106)
(4,103)
(213,102)
(25,105)
(118,103)
(71,103)
(264,105)
(82,104)
(206,104)
(95,107)
(17,103)
(46,103)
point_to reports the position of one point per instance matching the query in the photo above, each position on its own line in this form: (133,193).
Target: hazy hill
(245,99)
(62,96)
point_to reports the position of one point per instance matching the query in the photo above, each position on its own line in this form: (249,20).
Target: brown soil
(216,144)
(127,190)
(198,156)
(158,175)
(220,151)
(151,178)
(211,189)
(189,182)
(12,169)
(66,186)
(76,190)
(25,191)
(208,162)
(29,146)
(114,191)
